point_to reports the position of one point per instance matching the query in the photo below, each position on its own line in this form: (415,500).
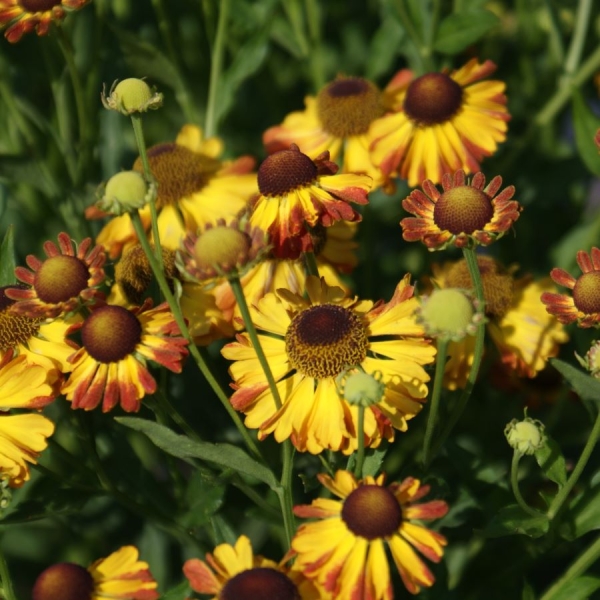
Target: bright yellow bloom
(345,551)
(308,344)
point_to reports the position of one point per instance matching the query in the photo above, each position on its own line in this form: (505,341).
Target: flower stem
(440,365)
(561,497)
(514,484)
(216,66)
(311,264)
(286,500)
(423,53)
(314,32)
(360,454)
(471,259)
(587,558)
(582,22)
(6,592)
(185,332)
(136,121)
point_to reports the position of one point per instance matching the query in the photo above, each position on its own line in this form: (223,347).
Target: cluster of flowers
(62,332)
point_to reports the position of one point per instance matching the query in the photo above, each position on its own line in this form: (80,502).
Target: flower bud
(131,96)
(526,436)
(123,193)
(360,388)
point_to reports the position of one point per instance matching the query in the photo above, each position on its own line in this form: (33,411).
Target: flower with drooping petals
(583,306)
(463,214)
(345,550)
(110,367)
(68,277)
(22,16)
(439,123)
(119,576)
(236,573)
(308,344)
(297,193)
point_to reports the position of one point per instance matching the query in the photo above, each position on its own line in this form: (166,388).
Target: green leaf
(528,592)
(580,588)
(459,30)
(179,592)
(224,455)
(586,386)
(582,236)
(584,514)
(7,259)
(552,462)
(204,498)
(586,124)
(513,520)
(384,48)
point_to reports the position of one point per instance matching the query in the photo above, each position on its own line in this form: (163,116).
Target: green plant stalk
(311,264)
(440,366)
(423,52)
(514,484)
(7,591)
(314,32)
(579,566)
(285,497)
(555,43)
(471,260)
(559,500)
(136,122)
(84,133)
(360,453)
(582,22)
(185,332)
(216,66)
(294,16)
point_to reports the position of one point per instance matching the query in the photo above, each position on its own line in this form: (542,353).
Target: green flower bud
(131,96)
(591,361)
(124,192)
(360,388)
(525,436)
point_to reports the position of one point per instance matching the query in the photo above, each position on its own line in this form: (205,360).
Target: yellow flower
(439,123)
(194,188)
(120,576)
(336,121)
(464,214)
(525,335)
(345,551)
(235,572)
(110,367)
(298,193)
(22,16)
(308,344)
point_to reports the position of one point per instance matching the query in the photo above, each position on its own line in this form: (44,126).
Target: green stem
(311,264)
(471,260)
(555,39)
(579,566)
(285,496)
(360,454)
(216,66)
(84,132)
(294,16)
(440,367)
(514,483)
(578,40)
(314,32)
(7,592)
(185,332)
(136,121)
(561,497)
(423,54)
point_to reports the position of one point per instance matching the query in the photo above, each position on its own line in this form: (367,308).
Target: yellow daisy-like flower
(582,306)
(22,437)
(345,552)
(463,214)
(308,344)
(336,121)
(524,334)
(110,367)
(41,341)
(120,576)
(235,573)
(439,123)
(22,16)
(297,193)
(65,279)
(194,188)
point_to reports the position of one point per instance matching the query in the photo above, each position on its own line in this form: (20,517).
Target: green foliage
(459,30)
(513,520)
(7,259)
(552,462)
(586,386)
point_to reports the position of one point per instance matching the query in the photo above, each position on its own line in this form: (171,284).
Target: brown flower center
(586,293)
(348,105)
(432,99)
(285,171)
(38,5)
(260,583)
(498,285)
(323,340)
(111,333)
(66,581)
(14,329)
(134,274)
(372,512)
(60,278)
(463,209)
(178,171)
